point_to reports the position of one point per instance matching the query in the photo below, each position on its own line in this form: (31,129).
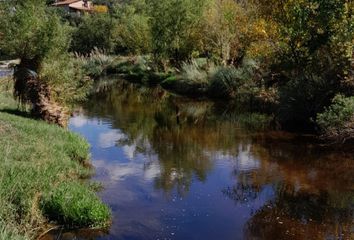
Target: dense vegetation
(293,57)
(47,78)
(41,167)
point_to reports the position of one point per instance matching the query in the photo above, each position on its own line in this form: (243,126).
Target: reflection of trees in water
(184,135)
(308,183)
(242,193)
(313,192)
(300,215)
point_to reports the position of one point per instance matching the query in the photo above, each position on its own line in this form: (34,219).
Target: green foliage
(302,98)
(231,82)
(96,63)
(309,25)
(94,31)
(317,33)
(194,72)
(340,111)
(174,28)
(316,39)
(38,37)
(66,77)
(29,31)
(73,204)
(131,32)
(337,121)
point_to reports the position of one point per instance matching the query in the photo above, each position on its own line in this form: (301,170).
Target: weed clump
(73,204)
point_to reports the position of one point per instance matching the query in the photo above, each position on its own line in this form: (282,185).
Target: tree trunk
(29,89)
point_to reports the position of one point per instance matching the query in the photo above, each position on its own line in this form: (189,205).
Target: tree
(313,61)
(175,28)
(131,33)
(225,25)
(35,35)
(94,31)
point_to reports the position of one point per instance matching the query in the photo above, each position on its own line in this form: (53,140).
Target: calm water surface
(178,169)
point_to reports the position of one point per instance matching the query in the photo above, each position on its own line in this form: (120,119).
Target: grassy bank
(42,172)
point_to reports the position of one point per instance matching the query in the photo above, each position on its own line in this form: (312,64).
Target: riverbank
(42,176)
(331,118)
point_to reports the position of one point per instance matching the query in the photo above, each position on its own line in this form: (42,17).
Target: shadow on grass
(17,112)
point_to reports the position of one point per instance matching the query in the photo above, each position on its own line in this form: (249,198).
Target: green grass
(38,161)
(75,204)
(5,234)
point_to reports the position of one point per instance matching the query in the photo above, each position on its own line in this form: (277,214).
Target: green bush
(96,63)
(225,82)
(337,121)
(301,98)
(66,77)
(231,82)
(193,72)
(73,204)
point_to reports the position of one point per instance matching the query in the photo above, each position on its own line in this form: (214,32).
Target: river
(174,168)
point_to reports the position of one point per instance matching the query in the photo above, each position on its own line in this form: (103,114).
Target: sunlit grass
(36,161)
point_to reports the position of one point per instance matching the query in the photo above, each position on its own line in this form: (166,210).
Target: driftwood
(28,89)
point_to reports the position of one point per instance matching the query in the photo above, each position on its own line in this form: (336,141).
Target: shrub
(231,82)
(337,121)
(193,72)
(96,63)
(74,205)
(303,97)
(64,74)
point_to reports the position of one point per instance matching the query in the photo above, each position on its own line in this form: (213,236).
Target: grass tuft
(73,204)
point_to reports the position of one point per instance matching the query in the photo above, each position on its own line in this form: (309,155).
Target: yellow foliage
(233,29)
(100,8)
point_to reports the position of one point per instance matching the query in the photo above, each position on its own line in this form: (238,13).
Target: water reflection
(175,169)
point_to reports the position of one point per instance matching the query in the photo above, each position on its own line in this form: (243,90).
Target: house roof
(75,4)
(79,6)
(65,2)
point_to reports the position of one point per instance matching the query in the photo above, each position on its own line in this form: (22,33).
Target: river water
(178,169)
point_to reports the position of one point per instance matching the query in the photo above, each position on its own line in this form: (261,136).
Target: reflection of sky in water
(142,211)
(200,176)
